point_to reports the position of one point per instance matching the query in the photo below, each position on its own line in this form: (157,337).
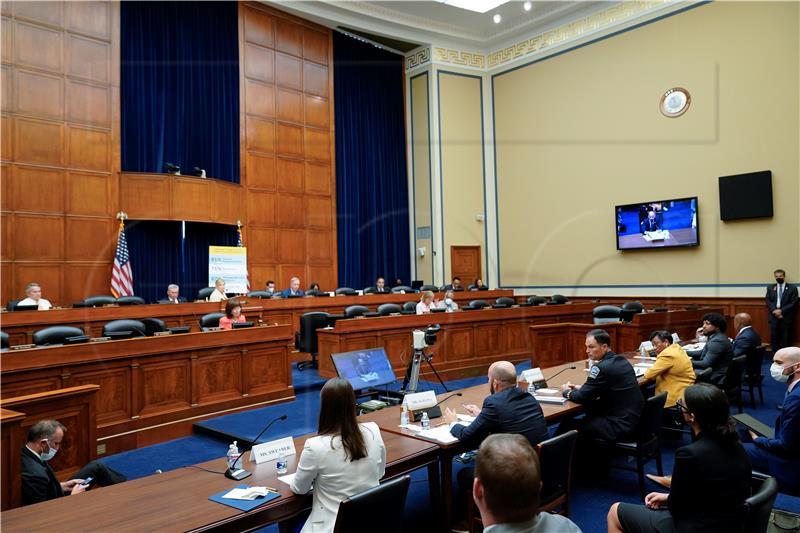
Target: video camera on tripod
(421,340)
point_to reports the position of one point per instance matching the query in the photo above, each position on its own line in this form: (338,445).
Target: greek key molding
(418,58)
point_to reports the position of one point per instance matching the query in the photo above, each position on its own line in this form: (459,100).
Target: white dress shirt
(43,304)
(217,296)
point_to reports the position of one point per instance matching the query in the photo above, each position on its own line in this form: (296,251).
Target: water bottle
(426,422)
(404,416)
(531,388)
(232,455)
(643,351)
(281,465)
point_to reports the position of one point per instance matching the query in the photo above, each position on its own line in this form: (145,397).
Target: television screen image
(659,224)
(364,368)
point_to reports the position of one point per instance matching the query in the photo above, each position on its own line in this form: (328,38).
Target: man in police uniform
(611,395)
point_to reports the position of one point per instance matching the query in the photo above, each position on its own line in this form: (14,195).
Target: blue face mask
(49,454)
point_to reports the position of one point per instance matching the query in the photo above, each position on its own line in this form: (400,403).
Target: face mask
(49,454)
(776,371)
(448,301)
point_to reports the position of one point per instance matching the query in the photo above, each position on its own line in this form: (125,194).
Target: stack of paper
(439,434)
(249,493)
(541,398)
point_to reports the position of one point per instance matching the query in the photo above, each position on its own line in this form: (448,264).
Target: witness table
(178,500)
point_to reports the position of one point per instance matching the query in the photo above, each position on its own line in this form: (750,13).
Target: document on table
(439,434)
(250,493)
(287,478)
(466,419)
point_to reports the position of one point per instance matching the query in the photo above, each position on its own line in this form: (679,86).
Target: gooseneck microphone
(240,473)
(573,367)
(434,411)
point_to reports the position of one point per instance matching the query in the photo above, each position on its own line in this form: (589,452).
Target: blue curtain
(371,178)
(180,87)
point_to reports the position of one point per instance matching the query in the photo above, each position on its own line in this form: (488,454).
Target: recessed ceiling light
(527,6)
(479,6)
(497,18)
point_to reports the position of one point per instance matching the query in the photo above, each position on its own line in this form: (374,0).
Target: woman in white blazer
(218,294)
(344,459)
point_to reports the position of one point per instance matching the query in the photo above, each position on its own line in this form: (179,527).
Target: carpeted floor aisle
(590,502)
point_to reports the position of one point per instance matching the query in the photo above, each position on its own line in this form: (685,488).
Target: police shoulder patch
(594,372)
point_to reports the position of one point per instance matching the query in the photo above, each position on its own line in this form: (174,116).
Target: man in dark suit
(173,295)
(380,286)
(39,481)
(611,395)
(747,339)
(780,455)
(718,351)
(781,301)
(650,223)
(294,290)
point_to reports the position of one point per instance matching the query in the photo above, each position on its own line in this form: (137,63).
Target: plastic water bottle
(281,465)
(404,416)
(426,422)
(643,352)
(232,455)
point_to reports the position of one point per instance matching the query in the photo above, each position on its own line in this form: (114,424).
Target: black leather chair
(353,311)
(133,328)
(432,288)
(753,378)
(732,383)
(12,304)
(153,326)
(629,309)
(557,299)
(55,335)
(478,304)
(703,376)
(555,461)
(409,308)
(537,300)
(647,445)
(370,290)
(382,505)
(99,301)
(316,292)
(211,320)
(306,339)
(130,300)
(204,293)
(4,341)
(605,314)
(757,508)
(259,294)
(402,288)
(504,301)
(345,291)
(388,309)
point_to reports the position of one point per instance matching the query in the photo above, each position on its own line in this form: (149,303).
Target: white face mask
(49,454)
(776,371)
(448,301)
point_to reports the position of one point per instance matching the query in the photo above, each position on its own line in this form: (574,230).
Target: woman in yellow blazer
(672,370)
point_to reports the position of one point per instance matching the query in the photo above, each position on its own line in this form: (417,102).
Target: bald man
(779,456)
(507,409)
(747,340)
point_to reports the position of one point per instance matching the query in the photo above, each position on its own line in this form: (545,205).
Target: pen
(272,490)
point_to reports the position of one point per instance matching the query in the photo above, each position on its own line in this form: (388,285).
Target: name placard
(419,400)
(269,451)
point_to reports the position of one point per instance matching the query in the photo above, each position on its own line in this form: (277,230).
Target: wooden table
(178,500)
(153,388)
(468,343)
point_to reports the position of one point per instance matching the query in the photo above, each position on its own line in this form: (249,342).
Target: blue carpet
(590,502)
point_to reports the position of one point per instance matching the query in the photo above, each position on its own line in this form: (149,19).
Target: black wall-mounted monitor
(745,196)
(657,224)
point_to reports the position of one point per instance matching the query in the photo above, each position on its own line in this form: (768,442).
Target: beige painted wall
(421,146)
(581,132)
(461,164)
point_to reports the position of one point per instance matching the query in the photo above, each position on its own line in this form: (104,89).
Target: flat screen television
(657,224)
(364,369)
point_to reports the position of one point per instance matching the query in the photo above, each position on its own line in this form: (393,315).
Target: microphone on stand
(433,411)
(573,367)
(240,473)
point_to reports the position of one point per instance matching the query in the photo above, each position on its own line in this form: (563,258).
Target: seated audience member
(780,455)
(479,285)
(173,295)
(456,285)
(39,481)
(345,458)
(270,287)
(294,289)
(672,370)
(426,303)
(233,313)
(747,339)
(218,295)
(34,297)
(397,282)
(650,223)
(710,480)
(314,287)
(718,351)
(611,395)
(448,304)
(380,286)
(506,488)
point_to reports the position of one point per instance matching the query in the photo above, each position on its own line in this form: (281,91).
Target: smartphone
(87,481)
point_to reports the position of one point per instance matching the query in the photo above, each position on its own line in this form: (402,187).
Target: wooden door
(465,262)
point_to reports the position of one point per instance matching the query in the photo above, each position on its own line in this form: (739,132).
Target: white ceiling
(429,22)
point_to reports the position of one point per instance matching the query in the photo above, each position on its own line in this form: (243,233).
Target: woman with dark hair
(345,458)
(710,479)
(233,313)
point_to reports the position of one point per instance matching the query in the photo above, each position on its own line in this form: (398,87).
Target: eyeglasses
(681,406)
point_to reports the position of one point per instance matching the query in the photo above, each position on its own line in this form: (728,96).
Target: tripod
(411,380)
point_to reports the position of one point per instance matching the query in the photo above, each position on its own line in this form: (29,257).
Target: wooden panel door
(465,263)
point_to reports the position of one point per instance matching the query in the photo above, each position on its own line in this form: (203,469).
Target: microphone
(434,411)
(240,473)
(573,367)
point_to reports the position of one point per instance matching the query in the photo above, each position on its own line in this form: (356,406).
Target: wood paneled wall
(61,182)
(60,147)
(287,148)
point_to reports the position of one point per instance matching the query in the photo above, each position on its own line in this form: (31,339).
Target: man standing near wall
(781,301)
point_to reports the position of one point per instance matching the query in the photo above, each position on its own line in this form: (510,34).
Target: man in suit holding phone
(781,301)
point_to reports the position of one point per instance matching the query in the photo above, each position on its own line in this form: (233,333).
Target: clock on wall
(674,102)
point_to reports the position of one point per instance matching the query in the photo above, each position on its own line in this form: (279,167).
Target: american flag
(122,273)
(240,244)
